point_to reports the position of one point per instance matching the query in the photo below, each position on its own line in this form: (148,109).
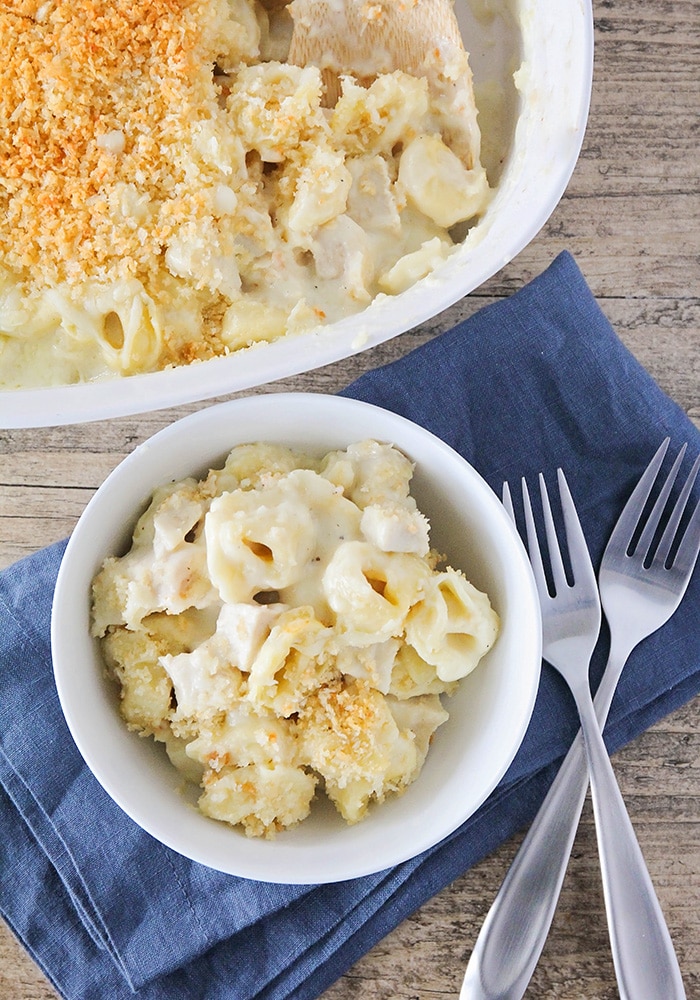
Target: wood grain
(631,217)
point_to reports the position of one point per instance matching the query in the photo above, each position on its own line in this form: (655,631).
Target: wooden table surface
(631,217)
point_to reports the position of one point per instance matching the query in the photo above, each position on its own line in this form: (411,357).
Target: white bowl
(538,128)
(488,715)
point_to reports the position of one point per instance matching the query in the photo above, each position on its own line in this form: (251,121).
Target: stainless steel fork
(516,927)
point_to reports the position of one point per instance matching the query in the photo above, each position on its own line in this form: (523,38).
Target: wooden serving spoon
(362,39)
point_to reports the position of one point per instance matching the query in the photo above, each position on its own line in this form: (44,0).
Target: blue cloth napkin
(528,383)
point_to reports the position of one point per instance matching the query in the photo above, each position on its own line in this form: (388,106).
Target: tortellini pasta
(283,625)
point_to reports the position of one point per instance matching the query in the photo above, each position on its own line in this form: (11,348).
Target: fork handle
(512,937)
(645,961)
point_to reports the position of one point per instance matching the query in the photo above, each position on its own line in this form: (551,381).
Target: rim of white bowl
(267,363)
(287,859)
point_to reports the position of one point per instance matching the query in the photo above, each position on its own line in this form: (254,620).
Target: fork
(516,927)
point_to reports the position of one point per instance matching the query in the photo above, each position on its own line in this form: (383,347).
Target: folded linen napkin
(529,383)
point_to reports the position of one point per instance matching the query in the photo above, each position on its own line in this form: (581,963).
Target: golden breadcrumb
(96,97)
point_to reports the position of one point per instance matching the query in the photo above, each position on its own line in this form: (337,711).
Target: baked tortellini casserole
(173,188)
(282,625)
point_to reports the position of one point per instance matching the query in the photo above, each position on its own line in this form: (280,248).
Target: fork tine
(629,518)
(555,559)
(674,520)
(581,565)
(507,502)
(645,539)
(533,547)
(689,548)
